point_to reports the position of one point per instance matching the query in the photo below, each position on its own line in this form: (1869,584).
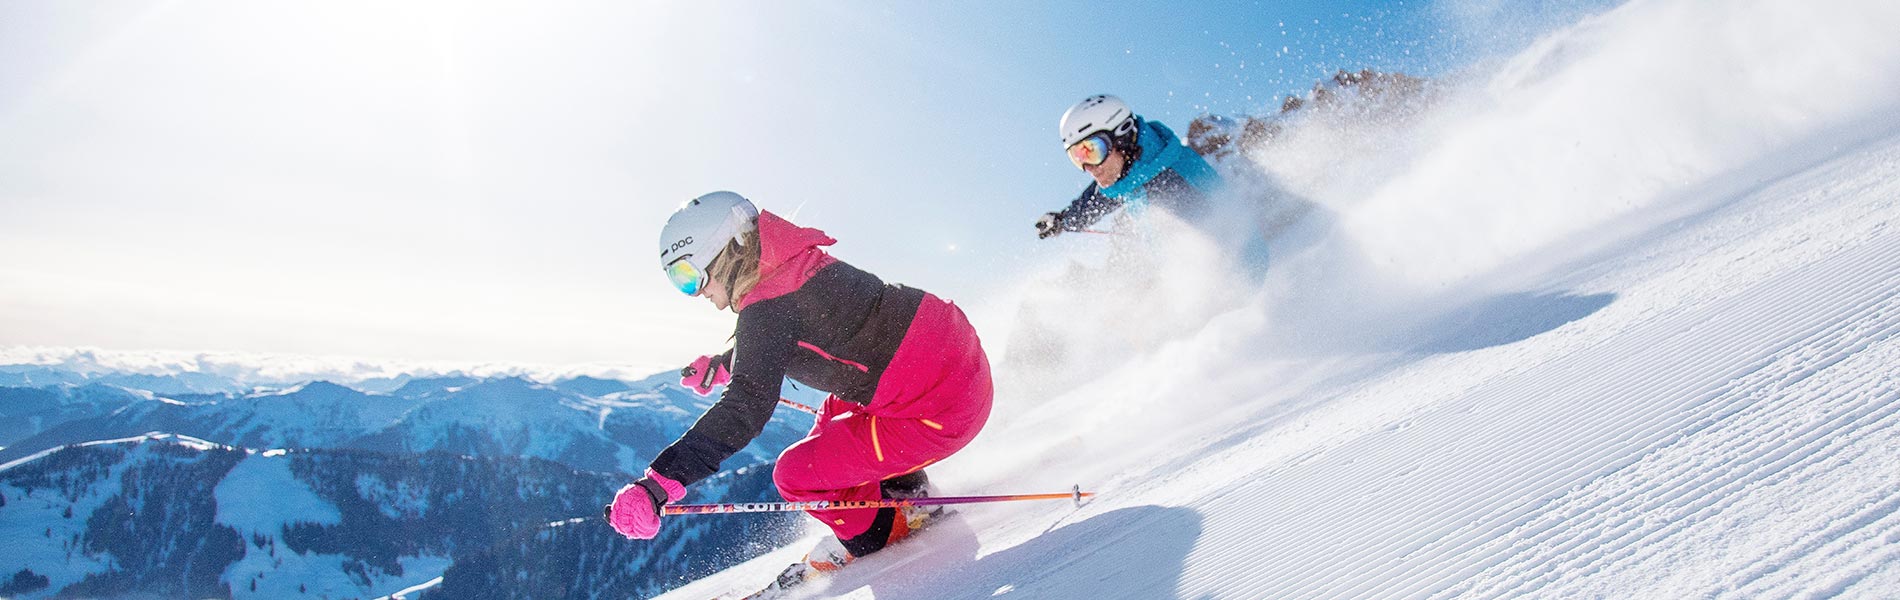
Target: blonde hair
(737,266)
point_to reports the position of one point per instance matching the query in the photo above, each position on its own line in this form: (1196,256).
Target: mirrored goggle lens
(1089,152)
(685,276)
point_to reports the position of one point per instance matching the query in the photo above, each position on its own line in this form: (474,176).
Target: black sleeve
(768,334)
(1086,209)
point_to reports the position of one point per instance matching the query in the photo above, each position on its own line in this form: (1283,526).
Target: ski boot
(910,486)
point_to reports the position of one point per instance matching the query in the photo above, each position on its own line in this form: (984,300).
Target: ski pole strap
(758,507)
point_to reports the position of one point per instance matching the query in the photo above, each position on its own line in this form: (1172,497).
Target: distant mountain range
(324,490)
(585,423)
(37,376)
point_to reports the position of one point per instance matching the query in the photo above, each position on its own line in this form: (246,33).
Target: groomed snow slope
(1649,354)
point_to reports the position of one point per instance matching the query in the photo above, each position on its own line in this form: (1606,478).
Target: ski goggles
(1091,151)
(687,278)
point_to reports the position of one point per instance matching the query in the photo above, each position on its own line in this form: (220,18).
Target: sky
(485,182)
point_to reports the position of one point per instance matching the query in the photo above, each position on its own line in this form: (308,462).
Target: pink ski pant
(930,402)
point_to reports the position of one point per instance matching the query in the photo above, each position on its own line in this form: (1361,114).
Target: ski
(801,572)
(788,579)
(935,508)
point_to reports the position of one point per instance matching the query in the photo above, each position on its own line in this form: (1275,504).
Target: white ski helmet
(1100,112)
(696,233)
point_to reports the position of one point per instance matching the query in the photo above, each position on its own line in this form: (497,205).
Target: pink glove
(635,512)
(707,372)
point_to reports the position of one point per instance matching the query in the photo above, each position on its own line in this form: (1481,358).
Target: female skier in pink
(908,378)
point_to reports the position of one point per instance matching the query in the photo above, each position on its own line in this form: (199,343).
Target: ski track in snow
(1656,441)
(1642,463)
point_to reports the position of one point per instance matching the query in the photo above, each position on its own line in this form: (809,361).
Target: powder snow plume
(1652,104)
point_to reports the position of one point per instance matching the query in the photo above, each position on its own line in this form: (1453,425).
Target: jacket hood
(788,256)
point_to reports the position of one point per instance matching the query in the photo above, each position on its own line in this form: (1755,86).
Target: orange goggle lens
(1090,151)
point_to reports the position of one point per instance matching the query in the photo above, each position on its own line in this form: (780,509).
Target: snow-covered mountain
(1616,318)
(322,490)
(29,411)
(230,522)
(34,376)
(620,430)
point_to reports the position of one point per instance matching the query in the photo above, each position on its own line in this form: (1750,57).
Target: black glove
(1049,225)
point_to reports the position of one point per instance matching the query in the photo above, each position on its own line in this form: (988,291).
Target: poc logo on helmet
(677,245)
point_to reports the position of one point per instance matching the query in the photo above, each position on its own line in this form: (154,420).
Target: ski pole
(797,405)
(758,507)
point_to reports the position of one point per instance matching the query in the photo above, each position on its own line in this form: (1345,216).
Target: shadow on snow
(1136,552)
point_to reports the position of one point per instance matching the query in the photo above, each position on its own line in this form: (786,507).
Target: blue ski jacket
(1166,174)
